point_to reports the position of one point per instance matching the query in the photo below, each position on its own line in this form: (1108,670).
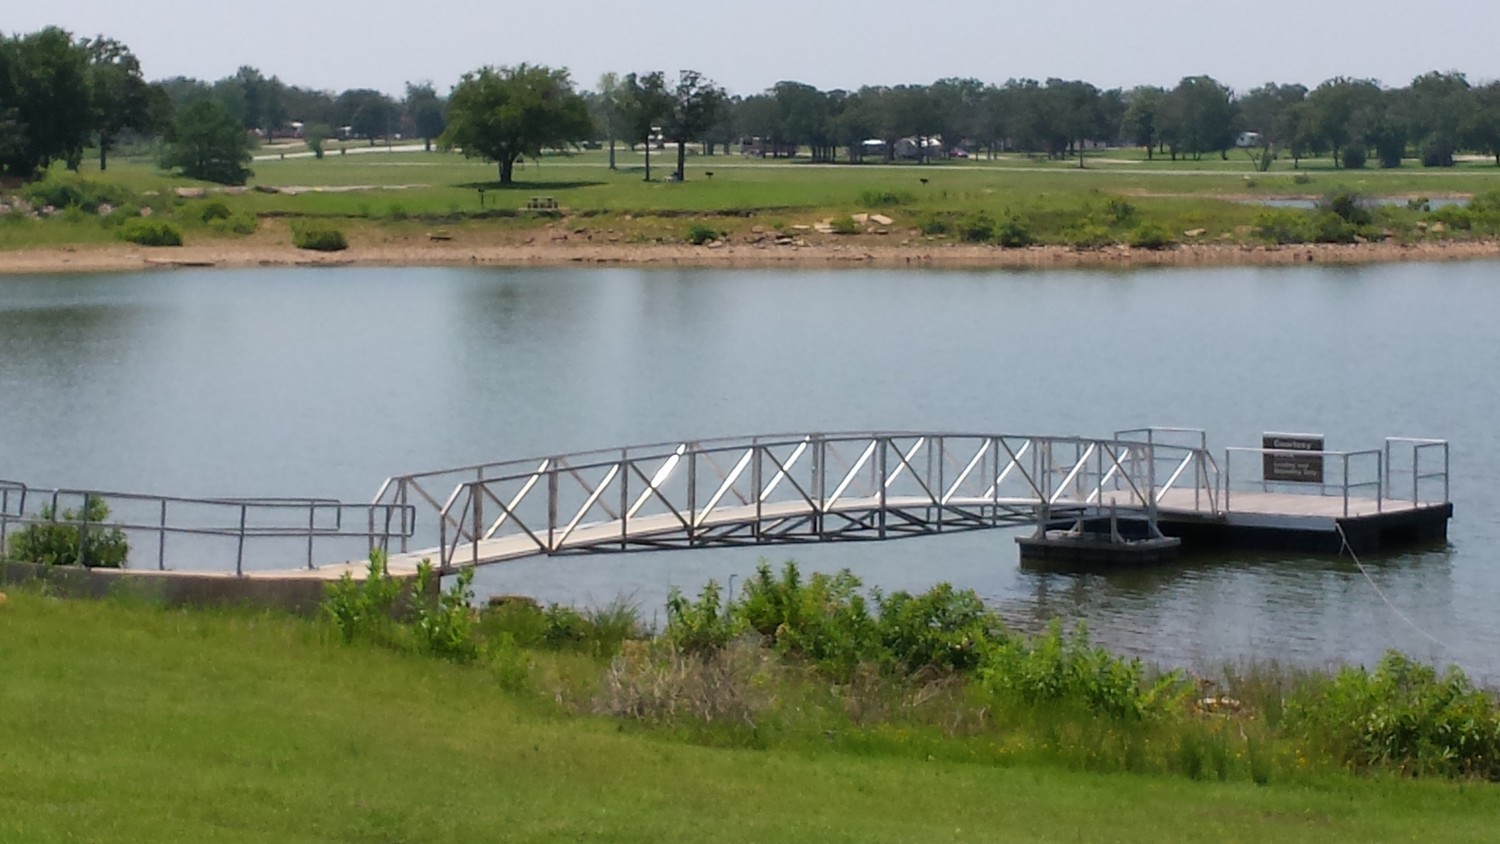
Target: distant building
(1248,139)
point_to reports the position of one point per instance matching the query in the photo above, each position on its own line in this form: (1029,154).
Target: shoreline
(823,254)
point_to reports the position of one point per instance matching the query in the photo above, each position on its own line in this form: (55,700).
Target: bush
(319,238)
(214,210)
(825,620)
(933,225)
(70,191)
(1437,153)
(700,234)
(1353,157)
(882,198)
(1014,234)
(1150,236)
(1086,235)
(1349,206)
(1486,202)
(1119,211)
(844,225)
(1302,179)
(1404,715)
(1057,670)
(147,232)
(977,228)
(516,618)
(1453,217)
(75,538)
(445,625)
(700,626)
(1282,226)
(946,629)
(1328,227)
(242,224)
(365,610)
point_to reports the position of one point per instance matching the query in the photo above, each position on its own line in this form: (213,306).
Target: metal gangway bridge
(759,490)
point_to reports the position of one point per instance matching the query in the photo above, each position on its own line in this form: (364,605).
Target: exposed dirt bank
(864,252)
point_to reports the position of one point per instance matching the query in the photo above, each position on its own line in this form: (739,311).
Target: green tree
(424,112)
(1341,110)
(1268,111)
(802,118)
(369,114)
(696,103)
(1142,117)
(1481,128)
(118,93)
(1437,104)
(645,102)
(45,107)
(209,143)
(611,93)
(501,114)
(1202,116)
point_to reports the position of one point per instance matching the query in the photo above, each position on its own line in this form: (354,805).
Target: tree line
(61,96)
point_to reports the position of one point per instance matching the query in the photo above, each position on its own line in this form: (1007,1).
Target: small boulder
(1194,232)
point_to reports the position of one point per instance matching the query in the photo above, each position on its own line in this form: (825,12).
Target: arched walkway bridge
(787,489)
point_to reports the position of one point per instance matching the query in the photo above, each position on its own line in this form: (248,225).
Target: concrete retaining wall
(299,595)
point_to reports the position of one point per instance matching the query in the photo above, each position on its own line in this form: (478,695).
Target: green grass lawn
(372,191)
(122,722)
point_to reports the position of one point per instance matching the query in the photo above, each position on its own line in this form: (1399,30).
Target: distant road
(727,162)
(277,156)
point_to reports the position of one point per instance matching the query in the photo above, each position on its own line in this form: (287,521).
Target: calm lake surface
(324,382)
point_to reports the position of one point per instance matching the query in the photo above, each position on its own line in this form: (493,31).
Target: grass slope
(129,723)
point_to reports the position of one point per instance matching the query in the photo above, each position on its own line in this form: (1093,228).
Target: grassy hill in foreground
(133,723)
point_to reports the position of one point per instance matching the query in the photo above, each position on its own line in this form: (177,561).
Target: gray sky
(748,46)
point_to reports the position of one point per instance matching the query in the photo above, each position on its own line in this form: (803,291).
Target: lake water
(323,382)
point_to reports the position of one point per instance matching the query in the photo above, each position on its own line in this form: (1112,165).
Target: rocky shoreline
(801,254)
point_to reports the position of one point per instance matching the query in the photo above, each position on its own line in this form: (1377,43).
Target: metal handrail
(1342,488)
(241,519)
(1418,447)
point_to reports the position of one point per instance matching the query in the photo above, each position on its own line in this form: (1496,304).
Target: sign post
(1292,458)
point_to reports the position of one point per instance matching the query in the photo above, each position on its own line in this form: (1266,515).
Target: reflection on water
(322,382)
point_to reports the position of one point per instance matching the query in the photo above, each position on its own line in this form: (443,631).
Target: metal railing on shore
(209,534)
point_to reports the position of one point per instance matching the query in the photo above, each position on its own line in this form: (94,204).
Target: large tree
(424,112)
(1437,105)
(120,97)
(645,101)
(696,103)
(1141,122)
(1481,129)
(1271,112)
(368,113)
(46,113)
(1341,111)
(209,143)
(502,114)
(1201,116)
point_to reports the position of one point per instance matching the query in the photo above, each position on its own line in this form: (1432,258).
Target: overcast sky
(748,46)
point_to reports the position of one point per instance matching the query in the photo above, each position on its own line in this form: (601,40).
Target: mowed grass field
(371,191)
(125,722)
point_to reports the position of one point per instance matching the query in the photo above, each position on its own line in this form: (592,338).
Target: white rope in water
(1378,591)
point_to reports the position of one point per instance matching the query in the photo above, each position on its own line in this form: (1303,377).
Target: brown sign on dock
(1292,458)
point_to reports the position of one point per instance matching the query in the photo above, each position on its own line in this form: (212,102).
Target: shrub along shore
(805,706)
